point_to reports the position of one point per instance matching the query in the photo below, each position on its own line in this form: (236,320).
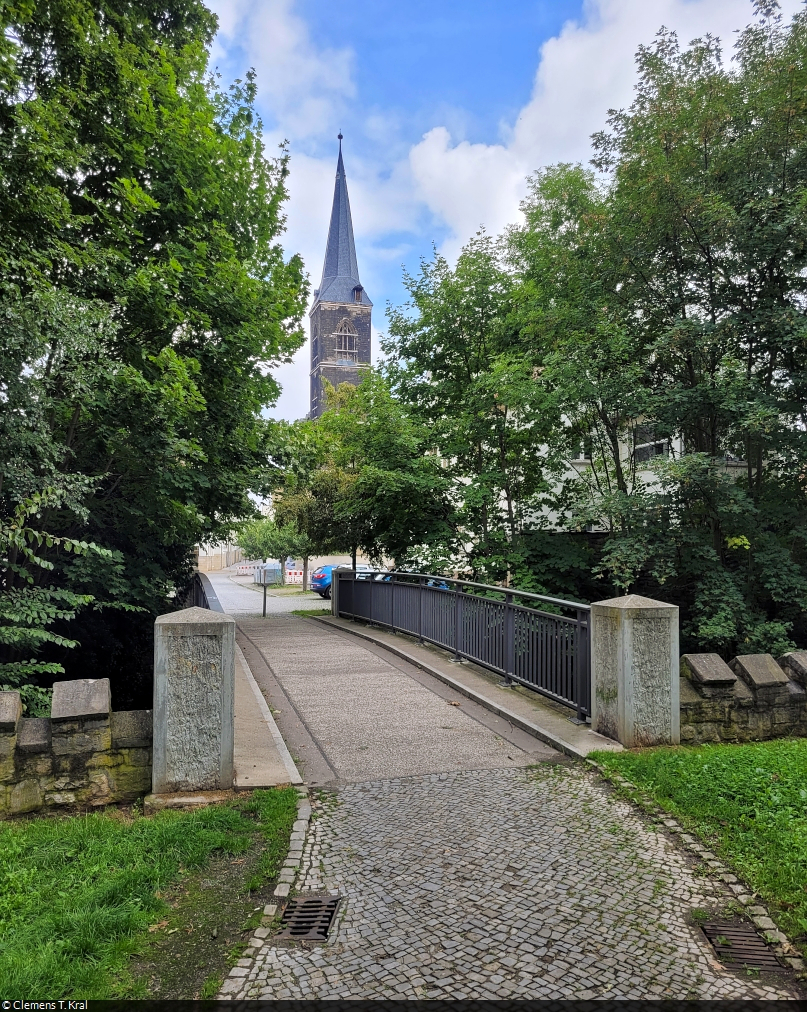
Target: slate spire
(340,274)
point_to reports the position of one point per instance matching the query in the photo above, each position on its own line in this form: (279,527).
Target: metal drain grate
(738,944)
(309,917)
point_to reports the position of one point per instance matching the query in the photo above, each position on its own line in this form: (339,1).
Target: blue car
(321,580)
(322,577)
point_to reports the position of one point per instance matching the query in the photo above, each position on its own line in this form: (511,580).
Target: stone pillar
(81,738)
(10,717)
(635,671)
(194,690)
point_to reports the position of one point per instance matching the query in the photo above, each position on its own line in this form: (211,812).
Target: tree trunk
(353,556)
(305,573)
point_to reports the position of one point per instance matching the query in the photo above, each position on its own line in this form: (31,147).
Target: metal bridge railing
(201,594)
(511,632)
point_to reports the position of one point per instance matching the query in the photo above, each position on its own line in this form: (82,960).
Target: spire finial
(339,135)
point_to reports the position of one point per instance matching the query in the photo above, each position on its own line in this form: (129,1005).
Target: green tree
(28,610)
(389,491)
(140,208)
(266,539)
(454,361)
(667,310)
(363,476)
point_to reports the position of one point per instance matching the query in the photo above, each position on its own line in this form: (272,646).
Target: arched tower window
(346,341)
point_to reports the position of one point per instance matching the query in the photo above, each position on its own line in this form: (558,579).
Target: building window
(647,445)
(357,293)
(583,450)
(346,342)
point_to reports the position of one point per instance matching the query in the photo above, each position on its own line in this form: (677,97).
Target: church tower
(340,316)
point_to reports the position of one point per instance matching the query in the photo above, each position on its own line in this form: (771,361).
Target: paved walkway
(543,718)
(245,599)
(474,861)
(260,756)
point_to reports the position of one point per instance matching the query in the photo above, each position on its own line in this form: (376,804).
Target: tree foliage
(453,358)
(622,377)
(264,539)
(144,299)
(364,476)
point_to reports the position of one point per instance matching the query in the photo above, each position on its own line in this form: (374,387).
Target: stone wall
(83,754)
(752,698)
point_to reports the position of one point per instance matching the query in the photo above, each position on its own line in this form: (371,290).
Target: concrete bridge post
(635,694)
(194,694)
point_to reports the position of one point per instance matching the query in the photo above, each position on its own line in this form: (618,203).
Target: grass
(78,894)
(308,612)
(747,802)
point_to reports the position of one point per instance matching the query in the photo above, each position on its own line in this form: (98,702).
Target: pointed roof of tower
(340,274)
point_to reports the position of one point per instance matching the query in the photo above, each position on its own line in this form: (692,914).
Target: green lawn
(77,894)
(747,802)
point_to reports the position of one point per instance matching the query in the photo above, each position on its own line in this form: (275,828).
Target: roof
(340,273)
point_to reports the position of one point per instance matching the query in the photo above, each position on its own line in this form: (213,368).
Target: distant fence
(507,631)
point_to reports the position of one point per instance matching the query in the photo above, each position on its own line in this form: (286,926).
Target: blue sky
(446,107)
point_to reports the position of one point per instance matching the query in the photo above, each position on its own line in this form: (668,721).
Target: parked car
(322,577)
(321,580)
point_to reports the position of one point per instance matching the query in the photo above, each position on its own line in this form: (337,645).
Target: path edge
(744,895)
(288,763)
(237,980)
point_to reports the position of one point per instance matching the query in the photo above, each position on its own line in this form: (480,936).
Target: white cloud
(305,87)
(468,185)
(585,70)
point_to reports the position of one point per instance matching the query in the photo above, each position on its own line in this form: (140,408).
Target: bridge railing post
(457,619)
(581,665)
(509,639)
(420,608)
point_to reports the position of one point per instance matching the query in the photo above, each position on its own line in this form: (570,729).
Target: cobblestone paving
(496,884)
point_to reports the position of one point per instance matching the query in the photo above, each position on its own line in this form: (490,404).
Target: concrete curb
(744,895)
(266,713)
(548,737)
(236,978)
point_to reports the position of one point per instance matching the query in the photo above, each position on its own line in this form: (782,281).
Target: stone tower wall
(325,319)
